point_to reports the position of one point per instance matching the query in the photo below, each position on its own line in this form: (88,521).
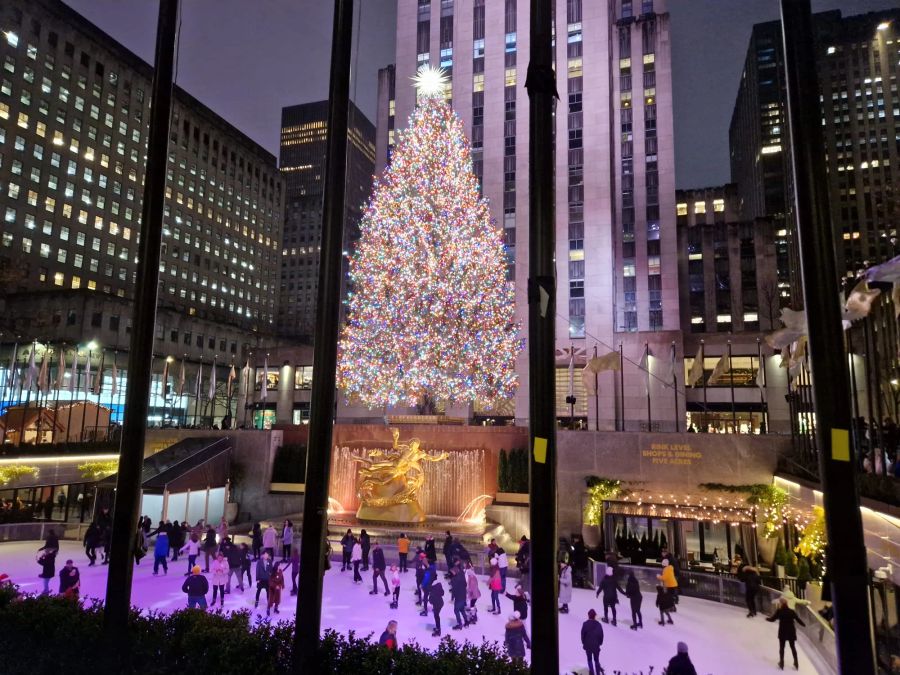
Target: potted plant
(803,576)
(780,559)
(236,474)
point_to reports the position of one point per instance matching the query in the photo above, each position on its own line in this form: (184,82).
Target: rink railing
(727,589)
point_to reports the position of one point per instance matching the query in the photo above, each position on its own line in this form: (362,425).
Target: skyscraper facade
(615,193)
(303,132)
(857,68)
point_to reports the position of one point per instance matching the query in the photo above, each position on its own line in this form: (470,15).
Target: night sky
(246,60)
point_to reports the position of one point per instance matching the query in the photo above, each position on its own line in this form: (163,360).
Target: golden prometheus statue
(390,481)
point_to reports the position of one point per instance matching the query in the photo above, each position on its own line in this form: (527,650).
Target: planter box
(512,498)
(287,487)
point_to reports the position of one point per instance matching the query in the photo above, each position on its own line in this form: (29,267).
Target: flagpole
(60,370)
(571,396)
(99,388)
(87,388)
(703,380)
(760,360)
(647,364)
(197,390)
(73,384)
(734,424)
(621,388)
(30,376)
(40,405)
(596,395)
(675,388)
(854,389)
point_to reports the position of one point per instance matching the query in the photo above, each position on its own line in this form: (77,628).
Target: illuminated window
(510,77)
(575,67)
(76,282)
(649,58)
(681,209)
(478,82)
(59,279)
(4,111)
(718,205)
(699,207)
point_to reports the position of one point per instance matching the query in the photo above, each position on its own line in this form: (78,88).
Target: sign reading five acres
(672,453)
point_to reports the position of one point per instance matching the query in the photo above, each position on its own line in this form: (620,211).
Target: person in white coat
(270,536)
(356,557)
(565,587)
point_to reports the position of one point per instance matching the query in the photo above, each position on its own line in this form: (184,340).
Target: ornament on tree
(430,310)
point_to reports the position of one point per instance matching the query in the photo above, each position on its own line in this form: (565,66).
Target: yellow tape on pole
(840,445)
(540,450)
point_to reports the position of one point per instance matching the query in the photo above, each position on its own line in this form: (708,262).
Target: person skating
(209,547)
(176,540)
(192,548)
(378,567)
(503,564)
(219,578)
(389,636)
(356,559)
(458,595)
(495,584)
(421,566)
(47,561)
(436,598)
(430,551)
(256,540)
(428,580)
(139,550)
(520,601)
(395,583)
(276,585)
(69,581)
(473,593)
(565,587)
(403,550)
(295,569)
(222,529)
(246,562)
(515,638)
(91,541)
(196,587)
(752,582)
(161,552)
(447,550)
(787,631)
(669,580)
(523,562)
(680,664)
(610,590)
(263,572)
(665,603)
(669,560)
(347,542)
(365,544)
(591,641)
(270,536)
(635,597)
(234,555)
(287,539)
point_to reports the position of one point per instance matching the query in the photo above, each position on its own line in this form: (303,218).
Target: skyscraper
(615,205)
(303,132)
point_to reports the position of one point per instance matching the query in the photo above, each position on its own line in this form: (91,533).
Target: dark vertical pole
(763,391)
(328,304)
(675,387)
(621,401)
(854,388)
(596,395)
(137,397)
(647,384)
(703,379)
(734,424)
(879,410)
(846,554)
(541,86)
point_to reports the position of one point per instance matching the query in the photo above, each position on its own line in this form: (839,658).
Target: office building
(615,210)
(74,118)
(303,132)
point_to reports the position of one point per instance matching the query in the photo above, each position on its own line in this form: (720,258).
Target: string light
(430,309)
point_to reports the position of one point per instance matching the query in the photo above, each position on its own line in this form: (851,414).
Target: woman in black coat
(634,595)
(47,561)
(787,632)
(256,540)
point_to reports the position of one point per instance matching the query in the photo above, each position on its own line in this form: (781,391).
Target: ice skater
(295,569)
(591,640)
(787,631)
(395,583)
(565,587)
(91,541)
(246,562)
(402,551)
(219,578)
(665,603)
(472,591)
(69,580)
(270,536)
(495,584)
(750,576)
(389,637)
(347,542)
(161,552)
(192,548)
(610,590)
(256,540)
(366,545)
(436,598)
(263,572)
(47,561)
(458,595)
(635,597)
(520,601)
(356,559)
(276,585)
(680,664)
(378,567)
(427,580)
(421,565)
(516,638)
(287,538)
(196,587)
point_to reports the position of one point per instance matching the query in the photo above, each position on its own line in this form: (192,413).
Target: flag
(164,380)
(115,381)
(181,379)
(598,364)
(885,272)
(264,394)
(31,373)
(11,373)
(571,373)
(231,376)
(785,357)
(670,371)
(798,355)
(212,382)
(859,302)
(73,373)
(197,388)
(794,326)
(761,376)
(87,375)
(721,368)
(61,372)
(695,374)
(98,384)
(245,376)
(44,376)
(645,366)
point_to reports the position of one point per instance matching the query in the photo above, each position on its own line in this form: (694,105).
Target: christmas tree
(430,311)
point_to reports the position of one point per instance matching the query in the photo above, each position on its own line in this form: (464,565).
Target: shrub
(41,633)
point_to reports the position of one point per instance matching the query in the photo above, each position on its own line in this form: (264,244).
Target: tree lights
(430,307)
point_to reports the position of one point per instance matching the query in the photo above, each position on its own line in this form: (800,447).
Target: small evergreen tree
(503,472)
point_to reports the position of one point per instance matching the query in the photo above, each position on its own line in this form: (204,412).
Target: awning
(682,512)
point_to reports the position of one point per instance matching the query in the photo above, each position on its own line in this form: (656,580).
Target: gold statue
(391,480)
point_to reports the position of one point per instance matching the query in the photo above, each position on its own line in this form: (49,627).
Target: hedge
(51,634)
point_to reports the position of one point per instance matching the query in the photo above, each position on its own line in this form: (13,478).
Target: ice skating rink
(721,638)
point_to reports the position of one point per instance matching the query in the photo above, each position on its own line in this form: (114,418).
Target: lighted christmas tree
(430,311)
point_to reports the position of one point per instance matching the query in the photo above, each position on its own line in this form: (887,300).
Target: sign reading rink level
(672,453)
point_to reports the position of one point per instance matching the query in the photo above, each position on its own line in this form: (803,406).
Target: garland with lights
(601,490)
(16,471)
(95,470)
(430,310)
